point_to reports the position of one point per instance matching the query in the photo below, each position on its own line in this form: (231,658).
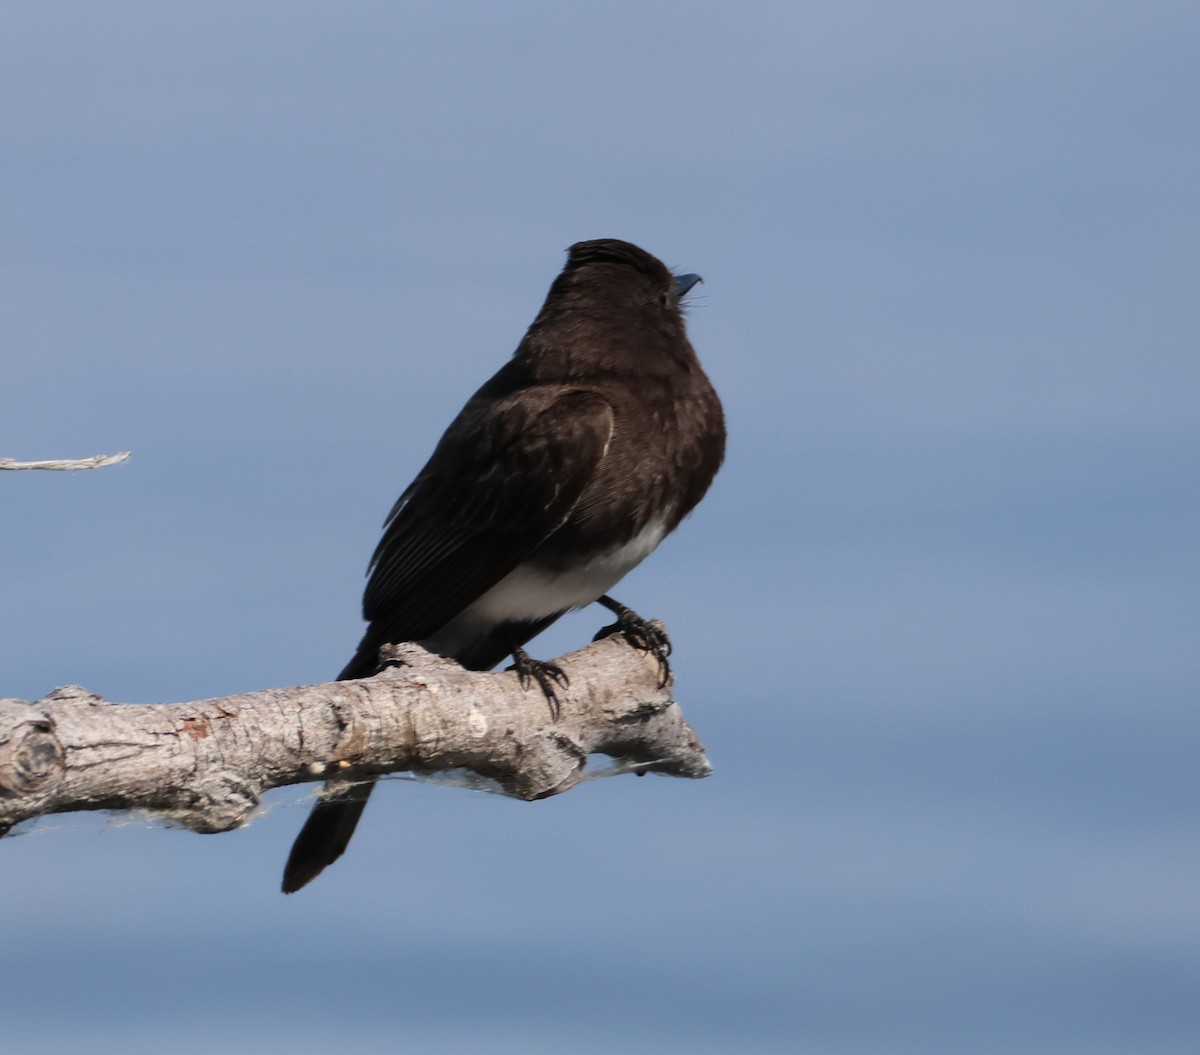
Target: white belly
(530,592)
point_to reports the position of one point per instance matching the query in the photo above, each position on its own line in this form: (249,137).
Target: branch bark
(206,764)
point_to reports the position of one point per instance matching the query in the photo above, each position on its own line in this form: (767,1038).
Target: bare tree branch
(96,462)
(206,764)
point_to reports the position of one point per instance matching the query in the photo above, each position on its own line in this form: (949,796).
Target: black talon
(547,675)
(641,633)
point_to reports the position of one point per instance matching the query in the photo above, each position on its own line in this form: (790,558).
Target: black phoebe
(560,475)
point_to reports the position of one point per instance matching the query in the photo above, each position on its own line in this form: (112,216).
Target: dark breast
(668,443)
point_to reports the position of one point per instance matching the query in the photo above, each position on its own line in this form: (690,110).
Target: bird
(559,476)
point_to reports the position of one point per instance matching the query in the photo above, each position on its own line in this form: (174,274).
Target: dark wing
(504,477)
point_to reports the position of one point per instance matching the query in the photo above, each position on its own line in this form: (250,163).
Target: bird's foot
(549,677)
(642,634)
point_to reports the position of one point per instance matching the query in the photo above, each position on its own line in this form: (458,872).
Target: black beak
(683,285)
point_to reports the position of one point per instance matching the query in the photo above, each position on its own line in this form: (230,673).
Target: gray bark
(206,764)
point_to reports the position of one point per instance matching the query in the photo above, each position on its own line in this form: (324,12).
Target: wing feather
(505,477)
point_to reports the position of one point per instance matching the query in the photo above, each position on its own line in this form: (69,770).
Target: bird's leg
(549,676)
(640,633)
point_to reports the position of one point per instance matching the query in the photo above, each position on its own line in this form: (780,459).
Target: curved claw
(642,634)
(549,677)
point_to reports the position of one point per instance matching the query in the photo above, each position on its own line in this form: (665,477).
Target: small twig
(65,464)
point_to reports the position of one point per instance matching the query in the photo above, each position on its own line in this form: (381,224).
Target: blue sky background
(937,622)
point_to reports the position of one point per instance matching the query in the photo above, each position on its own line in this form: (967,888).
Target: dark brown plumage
(559,475)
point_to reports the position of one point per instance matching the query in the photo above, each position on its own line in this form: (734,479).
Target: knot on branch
(31,757)
(220,802)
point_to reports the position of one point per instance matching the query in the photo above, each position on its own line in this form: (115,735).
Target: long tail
(325,834)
